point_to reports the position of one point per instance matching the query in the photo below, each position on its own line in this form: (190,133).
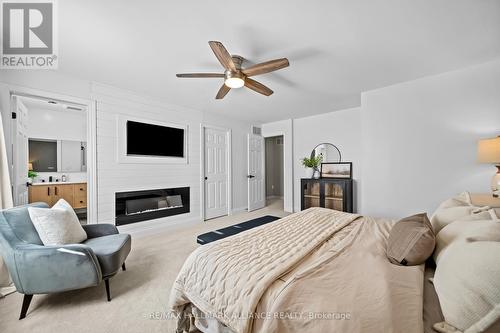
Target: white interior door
(216,173)
(256,190)
(20,152)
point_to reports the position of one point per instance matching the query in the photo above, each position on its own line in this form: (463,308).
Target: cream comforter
(315,271)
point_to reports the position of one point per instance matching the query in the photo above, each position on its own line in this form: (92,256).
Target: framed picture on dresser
(342,170)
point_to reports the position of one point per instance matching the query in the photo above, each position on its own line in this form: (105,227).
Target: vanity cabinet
(74,194)
(327,193)
(41,193)
(79,196)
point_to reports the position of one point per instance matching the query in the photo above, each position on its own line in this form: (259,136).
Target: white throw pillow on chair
(57,225)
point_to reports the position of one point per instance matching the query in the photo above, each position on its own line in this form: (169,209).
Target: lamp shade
(30,166)
(488,151)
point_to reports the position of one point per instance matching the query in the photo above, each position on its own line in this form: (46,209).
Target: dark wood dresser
(326,192)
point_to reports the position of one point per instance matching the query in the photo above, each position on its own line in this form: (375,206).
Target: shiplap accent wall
(117,177)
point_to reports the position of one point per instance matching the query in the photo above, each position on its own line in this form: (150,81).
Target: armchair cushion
(48,269)
(57,225)
(111,251)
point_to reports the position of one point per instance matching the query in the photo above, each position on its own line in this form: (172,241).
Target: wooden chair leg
(123,267)
(25,306)
(106,281)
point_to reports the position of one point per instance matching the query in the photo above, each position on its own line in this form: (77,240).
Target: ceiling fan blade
(222,92)
(266,67)
(198,75)
(222,55)
(258,87)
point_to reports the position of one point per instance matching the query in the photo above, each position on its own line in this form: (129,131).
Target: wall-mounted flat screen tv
(154,140)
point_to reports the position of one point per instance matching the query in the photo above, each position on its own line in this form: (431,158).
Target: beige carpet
(140,294)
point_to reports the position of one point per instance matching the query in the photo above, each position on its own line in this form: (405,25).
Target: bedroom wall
(343,129)
(419,139)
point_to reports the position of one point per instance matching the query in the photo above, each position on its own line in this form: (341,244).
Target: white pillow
(452,210)
(487,228)
(468,285)
(57,225)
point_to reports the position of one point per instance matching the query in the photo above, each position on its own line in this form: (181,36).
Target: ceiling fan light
(234,82)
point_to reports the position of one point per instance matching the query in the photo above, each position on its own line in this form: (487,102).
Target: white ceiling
(336,49)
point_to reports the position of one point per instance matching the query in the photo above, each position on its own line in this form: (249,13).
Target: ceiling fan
(234,75)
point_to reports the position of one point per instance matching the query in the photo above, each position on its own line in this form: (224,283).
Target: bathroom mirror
(329,151)
(57,155)
(43,155)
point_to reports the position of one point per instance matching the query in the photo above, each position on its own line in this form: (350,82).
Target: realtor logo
(28,34)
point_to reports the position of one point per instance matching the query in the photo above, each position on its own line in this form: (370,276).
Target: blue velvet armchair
(39,269)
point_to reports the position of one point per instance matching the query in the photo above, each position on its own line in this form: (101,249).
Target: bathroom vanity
(74,193)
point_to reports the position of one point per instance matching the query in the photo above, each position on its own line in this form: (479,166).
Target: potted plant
(31,175)
(311,165)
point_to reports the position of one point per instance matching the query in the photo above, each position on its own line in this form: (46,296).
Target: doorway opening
(274,171)
(50,154)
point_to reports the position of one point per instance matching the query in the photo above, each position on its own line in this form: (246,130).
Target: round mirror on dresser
(329,152)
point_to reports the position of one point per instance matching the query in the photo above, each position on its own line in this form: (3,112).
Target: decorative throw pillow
(57,225)
(468,287)
(463,230)
(452,210)
(411,241)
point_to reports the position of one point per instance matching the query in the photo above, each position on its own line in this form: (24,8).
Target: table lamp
(488,151)
(30,166)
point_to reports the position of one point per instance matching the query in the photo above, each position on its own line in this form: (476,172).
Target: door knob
(206,178)
(250,176)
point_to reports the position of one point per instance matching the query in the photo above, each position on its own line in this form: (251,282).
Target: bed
(318,270)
